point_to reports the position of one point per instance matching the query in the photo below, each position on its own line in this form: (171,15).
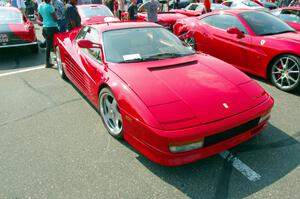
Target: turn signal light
(264,117)
(177,148)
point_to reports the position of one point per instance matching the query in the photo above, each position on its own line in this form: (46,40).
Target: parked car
(95,13)
(291,15)
(253,41)
(166,19)
(16,30)
(196,9)
(173,105)
(182,4)
(243,4)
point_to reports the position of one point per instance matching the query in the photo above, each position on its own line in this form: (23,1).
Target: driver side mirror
(235,30)
(84,43)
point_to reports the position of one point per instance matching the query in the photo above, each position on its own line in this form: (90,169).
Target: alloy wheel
(110,113)
(285,73)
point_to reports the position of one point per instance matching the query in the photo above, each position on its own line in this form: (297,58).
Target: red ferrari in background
(290,15)
(166,19)
(253,41)
(16,30)
(196,9)
(95,13)
(171,104)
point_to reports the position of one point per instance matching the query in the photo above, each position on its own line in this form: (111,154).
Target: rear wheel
(285,72)
(110,113)
(59,64)
(34,48)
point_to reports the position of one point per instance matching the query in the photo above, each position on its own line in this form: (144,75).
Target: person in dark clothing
(132,10)
(72,16)
(50,27)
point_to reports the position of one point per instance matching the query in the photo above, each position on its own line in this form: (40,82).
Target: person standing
(21,5)
(72,16)
(121,8)
(132,10)
(60,13)
(47,15)
(207,6)
(152,8)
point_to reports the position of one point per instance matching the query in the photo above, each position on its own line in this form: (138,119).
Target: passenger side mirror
(84,43)
(234,30)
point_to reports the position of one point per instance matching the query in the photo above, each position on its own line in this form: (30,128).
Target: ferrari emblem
(225,105)
(262,42)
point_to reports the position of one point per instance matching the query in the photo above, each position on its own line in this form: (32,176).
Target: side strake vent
(173,66)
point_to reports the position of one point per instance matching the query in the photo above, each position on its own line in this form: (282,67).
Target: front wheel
(110,113)
(285,72)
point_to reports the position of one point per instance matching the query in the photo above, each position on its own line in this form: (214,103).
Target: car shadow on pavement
(273,154)
(20,57)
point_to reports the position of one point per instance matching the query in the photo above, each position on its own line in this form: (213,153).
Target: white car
(243,4)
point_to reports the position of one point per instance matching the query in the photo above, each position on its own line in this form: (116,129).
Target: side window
(93,36)
(224,22)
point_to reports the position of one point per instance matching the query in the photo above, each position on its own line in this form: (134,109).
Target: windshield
(142,44)
(215,6)
(250,4)
(263,23)
(95,11)
(10,17)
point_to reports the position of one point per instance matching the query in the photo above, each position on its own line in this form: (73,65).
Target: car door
(93,67)
(224,45)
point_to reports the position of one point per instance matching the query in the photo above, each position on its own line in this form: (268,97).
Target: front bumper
(154,143)
(18,45)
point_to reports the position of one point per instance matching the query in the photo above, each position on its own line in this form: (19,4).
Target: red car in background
(253,41)
(196,9)
(16,30)
(95,13)
(166,19)
(290,15)
(171,104)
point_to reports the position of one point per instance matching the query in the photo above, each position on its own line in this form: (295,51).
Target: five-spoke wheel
(110,113)
(285,72)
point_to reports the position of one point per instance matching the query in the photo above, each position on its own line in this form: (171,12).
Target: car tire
(59,64)
(34,48)
(110,113)
(284,72)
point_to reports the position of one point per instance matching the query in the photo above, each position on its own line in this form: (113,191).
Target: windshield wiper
(275,33)
(169,55)
(139,60)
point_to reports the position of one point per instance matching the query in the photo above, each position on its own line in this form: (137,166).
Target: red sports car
(171,104)
(16,30)
(196,9)
(166,19)
(253,41)
(95,13)
(291,15)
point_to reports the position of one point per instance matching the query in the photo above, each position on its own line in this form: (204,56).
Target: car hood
(97,20)
(196,87)
(170,17)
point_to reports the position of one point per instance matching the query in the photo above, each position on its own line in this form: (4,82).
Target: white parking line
(240,166)
(22,71)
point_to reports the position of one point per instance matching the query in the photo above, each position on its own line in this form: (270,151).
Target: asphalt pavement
(54,145)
